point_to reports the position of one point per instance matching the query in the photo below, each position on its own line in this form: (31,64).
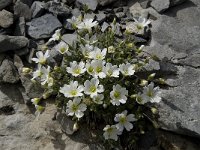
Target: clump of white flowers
(99,75)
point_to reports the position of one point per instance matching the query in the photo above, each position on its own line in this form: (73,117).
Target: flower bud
(39,108)
(130,45)
(105,106)
(154,110)
(75,127)
(26,70)
(143,83)
(162,81)
(151,76)
(111,49)
(35,101)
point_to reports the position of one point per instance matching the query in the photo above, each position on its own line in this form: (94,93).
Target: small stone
(27,2)
(8,72)
(37,9)
(152,66)
(76,12)
(43,27)
(8,43)
(104,26)
(105,2)
(144,3)
(20,27)
(69,38)
(66,123)
(22,10)
(58,9)
(92,4)
(6,19)
(176,2)
(33,90)
(4,3)
(101,16)
(160,5)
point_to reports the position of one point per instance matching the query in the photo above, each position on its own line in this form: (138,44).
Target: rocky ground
(25,25)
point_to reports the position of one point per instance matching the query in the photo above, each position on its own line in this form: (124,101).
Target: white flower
(98,99)
(124,121)
(111,132)
(76,69)
(74,21)
(72,90)
(56,36)
(92,87)
(41,58)
(98,54)
(63,48)
(138,26)
(38,72)
(87,24)
(86,50)
(112,71)
(151,94)
(76,108)
(118,95)
(127,69)
(96,68)
(45,75)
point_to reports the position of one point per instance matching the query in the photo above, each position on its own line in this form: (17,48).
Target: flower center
(150,93)
(99,56)
(122,119)
(110,130)
(62,49)
(42,60)
(90,69)
(110,72)
(117,94)
(77,71)
(74,107)
(99,69)
(73,92)
(139,27)
(93,89)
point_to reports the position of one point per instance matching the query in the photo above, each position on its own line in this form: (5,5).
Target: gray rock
(8,72)
(22,10)
(33,90)
(176,2)
(37,9)
(43,27)
(6,19)
(58,9)
(4,3)
(27,2)
(105,2)
(152,66)
(101,17)
(66,123)
(160,5)
(92,4)
(76,12)
(55,58)
(176,36)
(12,42)
(69,38)
(20,29)
(145,3)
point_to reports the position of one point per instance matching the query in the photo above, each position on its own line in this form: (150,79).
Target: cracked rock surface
(175,37)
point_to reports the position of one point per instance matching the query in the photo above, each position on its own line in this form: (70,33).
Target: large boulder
(6,19)
(4,3)
(8,72)
(175,38)
(8,43)
(92,4)
(43,27)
